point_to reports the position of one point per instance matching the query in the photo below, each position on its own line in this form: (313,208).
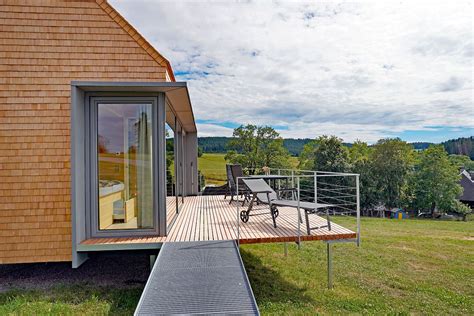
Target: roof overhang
(176,92)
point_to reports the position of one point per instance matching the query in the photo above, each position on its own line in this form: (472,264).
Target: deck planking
(212,218)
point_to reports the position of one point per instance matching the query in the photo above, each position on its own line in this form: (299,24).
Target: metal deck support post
(329,253)
(286,249)
(279,181)
(299,216)
(358,210)
(152,261)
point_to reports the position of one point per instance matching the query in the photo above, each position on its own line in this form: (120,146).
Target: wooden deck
(204,218)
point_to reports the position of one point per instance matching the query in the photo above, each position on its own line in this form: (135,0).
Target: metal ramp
(200,277)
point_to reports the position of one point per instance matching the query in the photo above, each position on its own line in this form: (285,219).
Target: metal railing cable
(309,188)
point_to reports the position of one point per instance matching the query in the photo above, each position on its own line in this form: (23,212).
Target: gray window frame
(158,142)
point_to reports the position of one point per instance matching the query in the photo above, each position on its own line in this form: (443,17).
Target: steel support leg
(152,261)
(286,249)
(329,253)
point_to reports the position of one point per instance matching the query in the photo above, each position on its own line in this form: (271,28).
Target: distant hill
(295,146)
(421,145)
(219,144)
(213,144)
(460,146)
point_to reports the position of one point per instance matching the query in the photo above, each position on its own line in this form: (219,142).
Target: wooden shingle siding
(44,45)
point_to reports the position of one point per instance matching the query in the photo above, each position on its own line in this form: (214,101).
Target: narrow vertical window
(171,167)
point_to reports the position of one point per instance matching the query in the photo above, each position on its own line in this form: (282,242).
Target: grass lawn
(212,167)
(403,267)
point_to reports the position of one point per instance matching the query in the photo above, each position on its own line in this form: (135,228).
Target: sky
(358,70)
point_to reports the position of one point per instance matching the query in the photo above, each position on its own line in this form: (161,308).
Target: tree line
(460,146)
(392,173)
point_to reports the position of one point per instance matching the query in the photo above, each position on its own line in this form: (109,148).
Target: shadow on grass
(107,283)
(269,286)
(80,299)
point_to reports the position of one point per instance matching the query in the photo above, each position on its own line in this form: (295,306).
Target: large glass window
(124,166)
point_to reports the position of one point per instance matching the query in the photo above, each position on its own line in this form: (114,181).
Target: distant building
(467,182)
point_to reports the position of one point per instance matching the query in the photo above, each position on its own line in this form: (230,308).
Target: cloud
(452,84)
(205,129)
(357,70)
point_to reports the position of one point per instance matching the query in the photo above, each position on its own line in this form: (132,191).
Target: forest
(218,144)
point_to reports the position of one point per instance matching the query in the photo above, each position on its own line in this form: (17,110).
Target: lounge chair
(230,182)
(262,193)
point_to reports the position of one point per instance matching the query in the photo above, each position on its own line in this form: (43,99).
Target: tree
(437,181)
(360,162)
(256,146)
(330,154)
(462,161)
(392,163)
(306,157)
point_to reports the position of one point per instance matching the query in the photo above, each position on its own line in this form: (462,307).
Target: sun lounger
(262,193)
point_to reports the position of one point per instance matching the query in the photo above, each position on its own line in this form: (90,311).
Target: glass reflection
(125,161)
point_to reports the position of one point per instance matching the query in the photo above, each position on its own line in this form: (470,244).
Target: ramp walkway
(198,278)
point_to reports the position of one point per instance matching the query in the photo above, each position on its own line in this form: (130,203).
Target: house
(467,182)
(398,213)
(86,106)
(98,149)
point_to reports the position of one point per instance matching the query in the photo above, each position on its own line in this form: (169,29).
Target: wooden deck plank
(213,218)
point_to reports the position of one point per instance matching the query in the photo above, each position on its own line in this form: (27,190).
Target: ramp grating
(201,277)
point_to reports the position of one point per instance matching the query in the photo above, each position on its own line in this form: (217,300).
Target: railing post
(315,188)
(238,211)
(299,216)
(293,182)
(358,209)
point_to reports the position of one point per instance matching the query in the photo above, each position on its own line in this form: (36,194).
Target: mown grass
(212,166)
(403,267)
(77,299)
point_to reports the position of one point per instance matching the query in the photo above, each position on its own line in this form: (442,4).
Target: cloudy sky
(362,70)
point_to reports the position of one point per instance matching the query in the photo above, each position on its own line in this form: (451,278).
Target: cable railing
(338,189)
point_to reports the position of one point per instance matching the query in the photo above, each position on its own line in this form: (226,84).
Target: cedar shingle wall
(44,45)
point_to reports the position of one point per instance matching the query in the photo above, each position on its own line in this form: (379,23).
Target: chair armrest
(286,189)
(257,192)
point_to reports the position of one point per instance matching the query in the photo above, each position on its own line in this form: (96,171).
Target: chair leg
(272,213)
(308,229)
(231,197)
(244,200)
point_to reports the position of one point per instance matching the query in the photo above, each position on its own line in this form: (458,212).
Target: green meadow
(407,267)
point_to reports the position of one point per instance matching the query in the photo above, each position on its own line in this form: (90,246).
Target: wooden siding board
(44,45)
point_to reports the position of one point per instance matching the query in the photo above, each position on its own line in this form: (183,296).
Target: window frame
(91,155)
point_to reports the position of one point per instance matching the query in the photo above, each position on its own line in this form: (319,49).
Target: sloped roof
(468,185)
(127,27)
